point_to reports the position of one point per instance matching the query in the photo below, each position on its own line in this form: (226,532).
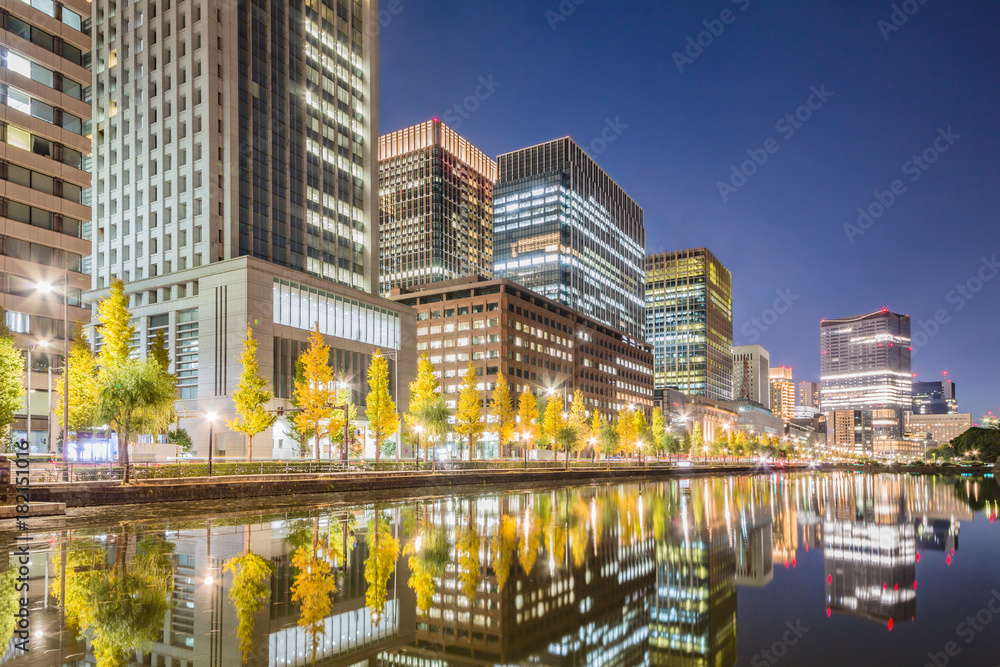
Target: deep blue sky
(783,229)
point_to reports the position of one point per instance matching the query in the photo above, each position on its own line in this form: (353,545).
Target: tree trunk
(378,446)
(123,456)
(316,452)
(249,448)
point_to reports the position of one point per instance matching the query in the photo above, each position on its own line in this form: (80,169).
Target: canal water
(770,569)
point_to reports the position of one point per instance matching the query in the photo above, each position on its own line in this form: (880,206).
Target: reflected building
(693,615)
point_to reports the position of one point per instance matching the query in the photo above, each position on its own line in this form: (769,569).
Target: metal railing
(44,470)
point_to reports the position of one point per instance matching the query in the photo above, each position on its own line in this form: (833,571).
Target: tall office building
(564,229)
(45,145)
(689,321)
(235,184)
(751,374)
(850,431)
(783,393)
(865,365)
(935,398)
(435,207)
(809,394)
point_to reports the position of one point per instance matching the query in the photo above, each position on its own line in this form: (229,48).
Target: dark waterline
(821,569)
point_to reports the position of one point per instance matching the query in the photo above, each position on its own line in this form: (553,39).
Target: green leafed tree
(251,397)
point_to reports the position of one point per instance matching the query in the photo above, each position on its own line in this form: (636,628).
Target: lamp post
(47,288)
(343,386)
(31,348)
(210,417)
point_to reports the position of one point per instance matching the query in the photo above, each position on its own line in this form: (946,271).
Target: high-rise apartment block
(689,321)
(850,431)
(865,365)
(235,181)
(751,374)
(45,147)
(809,394)
(435,207)
(783,393)
(564,229)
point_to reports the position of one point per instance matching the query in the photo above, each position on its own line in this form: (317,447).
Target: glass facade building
(565,229)
(435,207)
(865,365)
(689,322)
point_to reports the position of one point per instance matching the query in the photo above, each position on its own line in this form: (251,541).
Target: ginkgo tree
(251,396)
(469,424)
(315,393)
(503,414)
(11,379)
(527,420)
(83,386)
(383,420)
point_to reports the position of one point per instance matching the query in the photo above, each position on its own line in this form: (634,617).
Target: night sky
(881,94)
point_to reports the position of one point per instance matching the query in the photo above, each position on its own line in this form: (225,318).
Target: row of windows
(36,180)
(39,217)
(18,286)
(33,143)
(21,101)
(61,13)
(28,68)
(43,39)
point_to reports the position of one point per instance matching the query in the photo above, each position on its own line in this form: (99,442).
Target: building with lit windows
(850,431)
(751,374)
(934,398)
(537,343)
(782,392)
(235,184)
(942,428)
(865,365)
(808,398)
(564,229)
(45,146)
(689,322)
(435,207)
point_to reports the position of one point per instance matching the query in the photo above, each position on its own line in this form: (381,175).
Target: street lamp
(211,417)
(31,348)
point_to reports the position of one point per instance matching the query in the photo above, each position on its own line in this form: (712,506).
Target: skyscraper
(235,184)
(689,321)
(809,394)
(783,393)
(751,374)
(865,365)
(934,398)
(45,146)
(564,229)
(435,207)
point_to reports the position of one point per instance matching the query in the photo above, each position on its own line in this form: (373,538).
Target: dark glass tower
(565,229)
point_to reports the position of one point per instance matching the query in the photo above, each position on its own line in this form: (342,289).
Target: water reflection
(622,575)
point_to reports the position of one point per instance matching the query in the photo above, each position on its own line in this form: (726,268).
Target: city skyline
(631,112)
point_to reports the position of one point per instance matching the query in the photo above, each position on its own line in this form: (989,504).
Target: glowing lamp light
(890,625)
(209,580)
(44,287)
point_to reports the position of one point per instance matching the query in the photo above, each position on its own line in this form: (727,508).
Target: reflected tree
(248,592)
(314,587)
(383,552)
(428,555)
(505,547)
(9,604)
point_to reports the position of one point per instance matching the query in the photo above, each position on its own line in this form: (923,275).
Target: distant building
(564,229)
(934,398)
(537,343)
(751,374)
(682,411)
(865,365)
(850,431)
(756,419)
(809,394)
(689,321)
(782,392)
(435,207)
(942,428)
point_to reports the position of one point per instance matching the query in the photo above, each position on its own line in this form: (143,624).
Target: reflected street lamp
(210,417)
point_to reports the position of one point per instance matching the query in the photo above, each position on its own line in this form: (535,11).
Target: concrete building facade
(752,374)
(45,214)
